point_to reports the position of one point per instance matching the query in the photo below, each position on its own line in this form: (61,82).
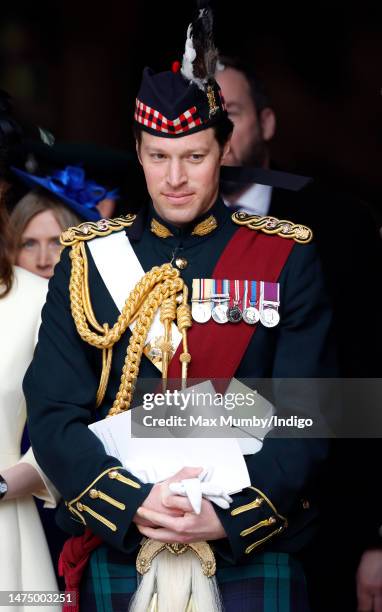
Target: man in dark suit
(351,255)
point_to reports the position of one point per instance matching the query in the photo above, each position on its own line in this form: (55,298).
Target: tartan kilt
(271,582)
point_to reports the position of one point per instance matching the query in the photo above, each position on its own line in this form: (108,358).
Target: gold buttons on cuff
(114,475)
(255,504)
(95,494)
(181,263)
(265,523)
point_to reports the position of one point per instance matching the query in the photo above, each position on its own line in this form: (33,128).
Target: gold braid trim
(265,523)
(252,547)
(162,291)
(260,499)
(158,286)
(102,519)
(213,107)
(270,225)
(270,504)
(160,230)
(268,522)
(77,507)
(251,506)
(107,353)
(184,321)
(167,315)
(201,229)
(205,227)
(138,295)
(93,229)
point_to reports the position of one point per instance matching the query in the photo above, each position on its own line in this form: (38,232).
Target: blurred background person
(24,556)
(255,126)
(55,203)
(348,251)
(330,214)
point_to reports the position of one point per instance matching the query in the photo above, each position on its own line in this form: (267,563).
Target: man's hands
(170,518)
(184,529)
(369,582)
(160,498)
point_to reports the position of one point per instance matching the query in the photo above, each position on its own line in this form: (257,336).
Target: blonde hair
(34,203)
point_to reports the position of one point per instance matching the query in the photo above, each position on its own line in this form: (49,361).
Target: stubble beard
(257,157)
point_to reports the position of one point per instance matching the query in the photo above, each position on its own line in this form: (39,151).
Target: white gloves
(196,488)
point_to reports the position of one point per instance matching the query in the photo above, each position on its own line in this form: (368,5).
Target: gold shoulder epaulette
(93,229)
(271,225)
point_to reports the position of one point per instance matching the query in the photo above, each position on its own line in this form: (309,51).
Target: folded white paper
(156,459)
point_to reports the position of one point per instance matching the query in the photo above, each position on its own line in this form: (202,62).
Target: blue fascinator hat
(71,186)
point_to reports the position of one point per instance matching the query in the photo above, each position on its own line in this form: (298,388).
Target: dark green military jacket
(62,381)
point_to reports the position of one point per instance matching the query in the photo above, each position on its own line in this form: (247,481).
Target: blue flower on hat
(71,186)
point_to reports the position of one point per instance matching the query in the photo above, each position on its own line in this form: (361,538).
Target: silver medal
(201,311)
(269,317)
(251,315)
(219,312)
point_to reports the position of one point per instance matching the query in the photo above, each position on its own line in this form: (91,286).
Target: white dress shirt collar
(255,201)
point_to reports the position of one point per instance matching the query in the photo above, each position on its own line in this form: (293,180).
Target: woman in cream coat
(25,562)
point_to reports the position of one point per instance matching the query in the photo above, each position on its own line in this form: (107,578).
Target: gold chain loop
(158,288)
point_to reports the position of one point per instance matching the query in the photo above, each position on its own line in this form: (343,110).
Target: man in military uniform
(115,272)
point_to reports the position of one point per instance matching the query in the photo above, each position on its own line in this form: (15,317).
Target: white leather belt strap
(121,270)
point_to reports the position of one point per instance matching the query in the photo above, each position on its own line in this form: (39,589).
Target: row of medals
(221,312)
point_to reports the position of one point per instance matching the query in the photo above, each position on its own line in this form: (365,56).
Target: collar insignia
(201,229)
(205,227)
(160,230)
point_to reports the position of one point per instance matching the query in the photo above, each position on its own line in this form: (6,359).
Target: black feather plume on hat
(200,55)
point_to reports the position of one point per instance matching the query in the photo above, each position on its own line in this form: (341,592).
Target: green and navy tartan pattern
(272,582)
